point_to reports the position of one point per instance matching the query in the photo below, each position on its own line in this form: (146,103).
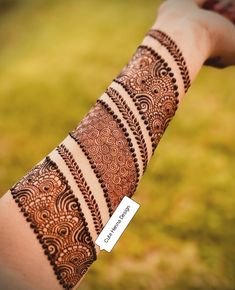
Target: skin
(201,33)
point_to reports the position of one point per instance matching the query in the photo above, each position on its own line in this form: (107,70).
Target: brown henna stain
(83,186)
(55,215)
(151,84)
(108,146)
(132,121)
(173,49)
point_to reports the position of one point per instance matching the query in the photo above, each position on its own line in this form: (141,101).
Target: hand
(225,8)
(214,27)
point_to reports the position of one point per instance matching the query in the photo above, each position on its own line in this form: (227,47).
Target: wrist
(192,38)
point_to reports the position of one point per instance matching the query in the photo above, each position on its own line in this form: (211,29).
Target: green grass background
(56,59)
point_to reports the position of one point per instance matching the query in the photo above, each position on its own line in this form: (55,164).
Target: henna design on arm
(173,49)
(134,125)
(151,84)
(44,195)
(107,144)
(83,186)
(55,215)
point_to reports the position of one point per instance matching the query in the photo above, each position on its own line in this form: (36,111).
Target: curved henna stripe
(55,215)
(133,123)
(96,172)
(173,49)
(110,152)
(83,186)
(150,83)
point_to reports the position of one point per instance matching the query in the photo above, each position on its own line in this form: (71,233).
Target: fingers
(227,9)
(222,5)
(224,34)
(224,48)
(219,30)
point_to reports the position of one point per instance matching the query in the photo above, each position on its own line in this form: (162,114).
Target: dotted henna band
(133,123)
(96,171)
(83,186)
(108,147)
(149,81)
(173,49)
(126,134)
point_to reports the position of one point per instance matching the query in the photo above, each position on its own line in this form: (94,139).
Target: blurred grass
(56,58)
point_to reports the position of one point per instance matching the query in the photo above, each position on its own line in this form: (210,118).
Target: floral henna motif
(83,187)
(49,205)
(133,123)
(173,49)
(106,144)
(151,84)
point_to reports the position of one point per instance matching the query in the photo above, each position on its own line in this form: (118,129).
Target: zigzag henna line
(127,79)
(54,213)
(82,185)
(173,49)
(133,123)
(121,126)
(96,172)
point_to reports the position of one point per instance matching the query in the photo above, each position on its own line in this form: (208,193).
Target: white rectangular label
(117,224)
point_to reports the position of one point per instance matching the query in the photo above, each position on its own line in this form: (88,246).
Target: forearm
(69,196)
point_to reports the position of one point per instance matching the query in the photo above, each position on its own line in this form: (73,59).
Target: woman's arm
(51,218)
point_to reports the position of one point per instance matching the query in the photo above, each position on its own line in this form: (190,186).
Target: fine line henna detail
(173,49)
(133,123)
(95,170)
(108,147)
(83,186)
(55,215)
(150,83)
(126,134)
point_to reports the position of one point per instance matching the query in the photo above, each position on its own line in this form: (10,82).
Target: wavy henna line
(82,185)
(173,49)
(134,125)
(42,240)
(96,171)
